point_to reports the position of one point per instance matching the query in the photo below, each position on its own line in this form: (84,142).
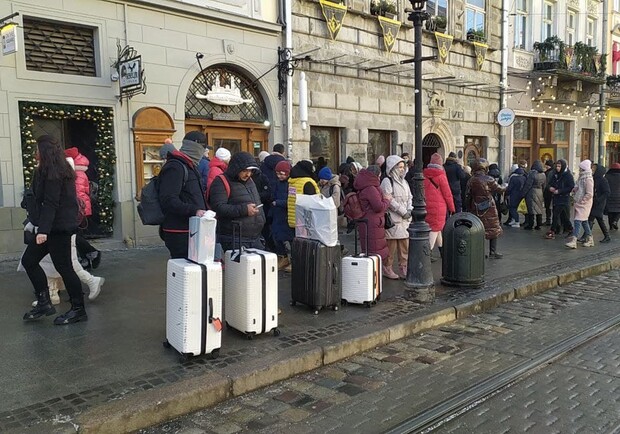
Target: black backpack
(149,207)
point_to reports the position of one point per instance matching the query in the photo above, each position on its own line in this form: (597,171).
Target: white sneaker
(515,225)
(95,287)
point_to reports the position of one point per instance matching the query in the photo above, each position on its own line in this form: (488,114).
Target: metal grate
(253,111)
(59,48)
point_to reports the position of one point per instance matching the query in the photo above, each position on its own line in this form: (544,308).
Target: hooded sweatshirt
(401,201)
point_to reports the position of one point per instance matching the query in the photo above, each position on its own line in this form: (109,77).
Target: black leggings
(59,248)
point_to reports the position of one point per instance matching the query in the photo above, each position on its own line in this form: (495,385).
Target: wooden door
(587,137)
(236,137)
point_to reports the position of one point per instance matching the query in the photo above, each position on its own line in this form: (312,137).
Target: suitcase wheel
(276,332)
(344,302)
(335,307)
(316,311)
(166,344)
(185,357)
(368,304)
(250,336)
(215,353)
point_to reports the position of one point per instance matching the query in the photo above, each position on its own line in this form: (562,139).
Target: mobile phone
(258,206)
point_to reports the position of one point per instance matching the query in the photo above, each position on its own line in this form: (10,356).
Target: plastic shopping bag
(316,218)
(522,208)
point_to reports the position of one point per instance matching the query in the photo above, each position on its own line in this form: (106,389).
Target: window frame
(571,30)
(387,134)
(547,20)
(335,134)
(477,11)
(590,31)
(521,24)
(435,12)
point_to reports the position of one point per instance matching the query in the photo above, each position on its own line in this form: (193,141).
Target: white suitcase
(251,288)
(194,307)
(362,276)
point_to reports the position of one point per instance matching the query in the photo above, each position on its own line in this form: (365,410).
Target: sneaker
(550,235)
(389,273)
(572,242)
(589,242)
(515,225)
(402,272)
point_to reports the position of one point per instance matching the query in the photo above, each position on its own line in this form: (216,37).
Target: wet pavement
(52,373)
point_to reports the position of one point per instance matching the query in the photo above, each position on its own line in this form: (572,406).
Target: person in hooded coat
(584,197)
(464,182)
(268,166)
(455,175)
(513,192)
(547,195)
(480,190)
(239,203)
(282,233)
(533,193)
(601,193)
(561,186)
(397,189)
(374,204)
(439,199)
(613,201)
(181,196)
(302,181)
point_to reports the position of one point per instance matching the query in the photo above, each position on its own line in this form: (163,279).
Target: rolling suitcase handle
(356,224)
(236,224)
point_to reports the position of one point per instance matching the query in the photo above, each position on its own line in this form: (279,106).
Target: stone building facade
(360,97)
(65,77)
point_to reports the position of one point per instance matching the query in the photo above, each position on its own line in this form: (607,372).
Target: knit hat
(436,159)
(198,137)
(223,154)
(325,173)
(513,168)
(163,151)
(380,160)
(451,155)
(283,166)
(262,156)
(585,165)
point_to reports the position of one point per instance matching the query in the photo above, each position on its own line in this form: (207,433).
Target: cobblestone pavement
(378,389)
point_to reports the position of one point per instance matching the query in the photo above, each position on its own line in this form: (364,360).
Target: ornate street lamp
(419,274)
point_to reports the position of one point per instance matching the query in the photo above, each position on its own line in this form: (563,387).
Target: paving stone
(294,415)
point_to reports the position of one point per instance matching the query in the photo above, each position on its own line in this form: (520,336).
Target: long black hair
(52,161)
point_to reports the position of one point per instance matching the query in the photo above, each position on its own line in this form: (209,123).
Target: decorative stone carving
(573,4)
(437,102)
(593,7)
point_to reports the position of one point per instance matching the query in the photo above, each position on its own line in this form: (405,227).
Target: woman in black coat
(601,193)
(53,210)
(613,201)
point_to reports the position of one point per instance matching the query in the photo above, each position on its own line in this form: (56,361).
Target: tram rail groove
(461,402)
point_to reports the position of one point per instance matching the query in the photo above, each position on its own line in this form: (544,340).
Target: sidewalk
(112,374)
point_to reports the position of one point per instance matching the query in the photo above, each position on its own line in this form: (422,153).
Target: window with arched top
(222,93)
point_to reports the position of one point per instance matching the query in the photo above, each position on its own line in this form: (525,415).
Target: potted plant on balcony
(385,8)
(437,23)
(584,58)
(550,53)
(476,35)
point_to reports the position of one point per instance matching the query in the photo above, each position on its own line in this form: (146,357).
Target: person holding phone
(239,201)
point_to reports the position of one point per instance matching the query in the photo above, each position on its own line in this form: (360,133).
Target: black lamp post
(419,274)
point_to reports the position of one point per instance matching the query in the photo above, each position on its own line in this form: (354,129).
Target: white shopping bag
(201,246)
(316,218)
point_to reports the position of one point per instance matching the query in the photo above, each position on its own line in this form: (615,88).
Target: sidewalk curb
(151,407)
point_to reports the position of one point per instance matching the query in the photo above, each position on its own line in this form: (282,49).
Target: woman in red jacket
(439,199)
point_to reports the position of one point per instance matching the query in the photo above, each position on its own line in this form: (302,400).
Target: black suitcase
(315,279)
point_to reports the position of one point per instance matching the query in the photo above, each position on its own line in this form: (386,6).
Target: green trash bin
(463,251)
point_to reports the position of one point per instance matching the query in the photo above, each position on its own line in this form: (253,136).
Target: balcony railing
(552,54)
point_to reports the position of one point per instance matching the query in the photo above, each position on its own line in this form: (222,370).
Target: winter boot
(94,283)
(538,222)
(54,284)
(606,239)
(493,250)
(550,235)
(589,241)
(76,314)
(43,307)
(389,273)
(402,271)
(572,242)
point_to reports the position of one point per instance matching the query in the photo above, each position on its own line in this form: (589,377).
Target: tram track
(462,402)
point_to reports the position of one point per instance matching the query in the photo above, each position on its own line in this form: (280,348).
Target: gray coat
(533,189)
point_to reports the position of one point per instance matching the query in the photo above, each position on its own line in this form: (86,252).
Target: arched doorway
(431,144)
(227,106)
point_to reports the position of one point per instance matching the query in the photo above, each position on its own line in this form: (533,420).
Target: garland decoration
(104,147)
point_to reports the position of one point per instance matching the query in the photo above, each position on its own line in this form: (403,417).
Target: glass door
(234,140)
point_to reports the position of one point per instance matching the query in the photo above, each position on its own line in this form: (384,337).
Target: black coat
(455,175)
(55,205)
(613,201)
(234,206)
(601,193)
(179,200)
(268,168)
(564,182)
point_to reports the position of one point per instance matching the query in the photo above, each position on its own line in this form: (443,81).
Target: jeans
(59,248)
(513,214)
(586,228)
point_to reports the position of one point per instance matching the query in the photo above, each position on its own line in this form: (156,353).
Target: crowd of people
(260,193)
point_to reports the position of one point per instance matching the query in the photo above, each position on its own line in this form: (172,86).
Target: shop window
(562,153)
(59,48)
(523,129)
(325,142)
(560,131)
(521,153)
(613,152)
(615,127)
(379,143)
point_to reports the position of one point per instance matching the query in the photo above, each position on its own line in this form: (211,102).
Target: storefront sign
(131,77)
(130,72)
(9,39)
(505,117)
(226,117)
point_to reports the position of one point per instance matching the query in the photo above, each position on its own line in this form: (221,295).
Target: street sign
(505,117)
(9,39)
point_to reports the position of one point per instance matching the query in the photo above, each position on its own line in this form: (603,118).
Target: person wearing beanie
(281,232)
(217,166)
(181,193)
(397,189)
(239,202)
(439,199)
(268,165)
(301,181)
(166,148)
(455,175)
(374,204)
(583,194)
(330,186)
(561,186)
(547,195)
(480,202)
